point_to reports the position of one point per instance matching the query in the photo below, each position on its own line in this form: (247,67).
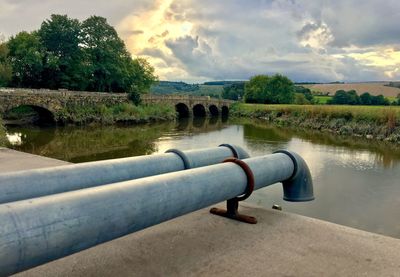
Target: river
(356,182)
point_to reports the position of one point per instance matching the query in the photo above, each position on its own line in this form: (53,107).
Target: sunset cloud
(189,40)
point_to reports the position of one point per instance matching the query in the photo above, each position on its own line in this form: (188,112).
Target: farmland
(374,88)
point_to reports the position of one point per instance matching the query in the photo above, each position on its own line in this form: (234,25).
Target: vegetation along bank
(2,134)
(372,122)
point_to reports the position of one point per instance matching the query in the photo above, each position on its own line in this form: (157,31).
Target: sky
(196,41)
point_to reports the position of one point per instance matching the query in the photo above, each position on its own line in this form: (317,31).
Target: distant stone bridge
(48,102)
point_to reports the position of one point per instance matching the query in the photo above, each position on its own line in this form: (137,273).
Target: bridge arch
(199,110)
(213,110)
(34,113)
(182,110)
(224,111)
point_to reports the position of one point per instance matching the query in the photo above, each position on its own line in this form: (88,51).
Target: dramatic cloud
(190,40)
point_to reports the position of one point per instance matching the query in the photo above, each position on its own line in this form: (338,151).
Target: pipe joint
(237,151)
(182,155)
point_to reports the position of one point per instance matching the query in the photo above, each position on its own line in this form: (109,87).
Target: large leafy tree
(108,60)
(63,63)
(65,53)
(276,89)
(26,58)
(256,89)
(110,65)
(5,65)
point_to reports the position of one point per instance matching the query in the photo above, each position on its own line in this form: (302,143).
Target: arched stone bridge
(48,102)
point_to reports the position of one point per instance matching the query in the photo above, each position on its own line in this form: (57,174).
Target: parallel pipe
(36,231)
(27,184)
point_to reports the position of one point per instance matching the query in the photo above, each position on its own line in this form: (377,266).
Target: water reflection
(356,181)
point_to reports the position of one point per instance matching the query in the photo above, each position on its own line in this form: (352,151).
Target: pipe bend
(237,151)
(299,186)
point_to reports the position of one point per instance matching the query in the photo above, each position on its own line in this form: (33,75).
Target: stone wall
(54,100)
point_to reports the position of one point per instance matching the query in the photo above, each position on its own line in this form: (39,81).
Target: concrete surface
(201,244)
(11,160)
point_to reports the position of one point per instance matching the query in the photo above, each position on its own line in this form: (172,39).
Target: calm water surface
(356,182)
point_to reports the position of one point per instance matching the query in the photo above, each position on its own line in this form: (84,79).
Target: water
(356,182)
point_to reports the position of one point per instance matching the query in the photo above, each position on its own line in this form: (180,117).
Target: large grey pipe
(27,184)
(36,231)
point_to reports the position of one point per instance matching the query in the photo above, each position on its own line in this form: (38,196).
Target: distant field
(322,99)
(373,88)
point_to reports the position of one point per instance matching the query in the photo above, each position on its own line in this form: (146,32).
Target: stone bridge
(48,102)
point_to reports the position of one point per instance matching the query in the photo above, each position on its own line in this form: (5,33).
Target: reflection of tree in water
(80,144)
(90,143)
(32,137)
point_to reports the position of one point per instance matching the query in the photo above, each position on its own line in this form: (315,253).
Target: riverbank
(126,112)
(371,122)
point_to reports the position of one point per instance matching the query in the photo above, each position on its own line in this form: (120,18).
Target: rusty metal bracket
(232,205)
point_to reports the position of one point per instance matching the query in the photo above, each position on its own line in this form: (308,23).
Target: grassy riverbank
(128,113)
(382,123)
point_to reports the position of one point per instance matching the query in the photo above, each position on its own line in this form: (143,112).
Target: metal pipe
(33,183)
(36,231)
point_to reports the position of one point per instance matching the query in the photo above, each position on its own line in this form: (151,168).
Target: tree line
(279,89)
(351,97)
(68,54)
(264,89)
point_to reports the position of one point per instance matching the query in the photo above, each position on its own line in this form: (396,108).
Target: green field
(322,99)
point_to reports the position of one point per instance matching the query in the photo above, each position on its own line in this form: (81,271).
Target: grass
(378,122)
(126,112)
(322,99)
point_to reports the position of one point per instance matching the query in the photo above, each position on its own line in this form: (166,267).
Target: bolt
(276,207)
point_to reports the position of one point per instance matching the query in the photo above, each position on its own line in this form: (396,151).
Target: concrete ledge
(201,244)
(11,160)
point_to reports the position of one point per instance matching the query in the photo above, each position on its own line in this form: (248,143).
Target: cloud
(347,40)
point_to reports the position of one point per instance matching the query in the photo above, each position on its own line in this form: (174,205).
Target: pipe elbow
(299,187)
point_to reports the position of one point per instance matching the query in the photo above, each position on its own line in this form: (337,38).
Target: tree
(366,98)
(305,91)
(233,91)
(342,97)
(64,53)
(63,66)
(108,59)
(26,58)
(380,100)
(277,89)
(141,75)
(256,89)
(281,90)
(5,65)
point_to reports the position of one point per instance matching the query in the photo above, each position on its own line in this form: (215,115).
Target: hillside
(371,87)
(166,87)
